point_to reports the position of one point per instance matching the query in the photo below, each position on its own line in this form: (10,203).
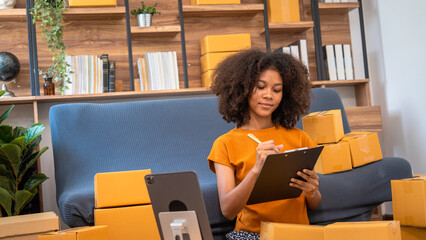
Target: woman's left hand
(310,187)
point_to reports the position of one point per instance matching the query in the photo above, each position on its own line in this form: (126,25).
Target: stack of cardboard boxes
(29,226)
(122,203)
(409,206)
(341,152)
(215,48)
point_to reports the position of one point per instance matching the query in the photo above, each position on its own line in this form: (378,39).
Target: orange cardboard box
(334,158)
(209,61)
(80,233)
(125,188)
(214,2)
(206,78)
(324,127)
(283,231)
(128,223)
(374,230)
(92,3)
(225,43)
(283,11)
(365,147)
(409,201)
(29,226)
(413,233)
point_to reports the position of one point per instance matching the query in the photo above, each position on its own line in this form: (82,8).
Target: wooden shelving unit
(221,10)
(171,30)
(95,13)
(292,27)
(339,83)
(337,7)
(13,14)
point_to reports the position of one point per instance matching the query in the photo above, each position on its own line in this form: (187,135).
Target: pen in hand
(254,138)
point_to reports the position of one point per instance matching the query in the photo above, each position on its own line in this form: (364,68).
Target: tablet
(177,192)
(274,178)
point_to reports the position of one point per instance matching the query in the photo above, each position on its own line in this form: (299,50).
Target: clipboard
(274,178)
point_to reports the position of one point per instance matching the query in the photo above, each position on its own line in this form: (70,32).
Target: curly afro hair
(236,77)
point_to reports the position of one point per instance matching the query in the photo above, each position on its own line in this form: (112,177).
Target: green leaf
(34,181)
(2,92)
(6,133)
(33,132)
(29,162)
(5,181)
(5,114)
(6,201)
(20,141)
(10,155)
(18,132)
(22,197)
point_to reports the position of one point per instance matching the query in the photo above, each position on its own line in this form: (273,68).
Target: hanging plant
(49,14)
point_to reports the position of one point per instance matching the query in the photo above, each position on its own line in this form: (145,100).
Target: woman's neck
(257,125)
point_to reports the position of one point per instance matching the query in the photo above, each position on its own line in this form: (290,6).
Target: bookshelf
(89,31)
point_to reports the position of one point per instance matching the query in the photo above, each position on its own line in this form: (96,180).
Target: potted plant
(144,14)
(49,14)
(18,154)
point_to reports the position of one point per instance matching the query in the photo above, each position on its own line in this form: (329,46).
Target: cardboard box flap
(28,224)
(322,113)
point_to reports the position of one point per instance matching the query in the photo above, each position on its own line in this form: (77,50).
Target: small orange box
(125,188)
(413,233)
(225,43)
(324,127)
(374,230)
(283,11)
(80,233)
(92,3)
(365,147)
(129,223)
(409,201)
(282,231)
(334,158)
(214,2)
(206,78)
(209,61)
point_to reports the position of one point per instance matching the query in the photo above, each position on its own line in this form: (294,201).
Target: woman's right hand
(263,150)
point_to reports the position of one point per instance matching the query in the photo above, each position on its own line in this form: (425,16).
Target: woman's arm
(233,198)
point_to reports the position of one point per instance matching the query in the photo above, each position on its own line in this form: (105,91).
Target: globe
(9,69)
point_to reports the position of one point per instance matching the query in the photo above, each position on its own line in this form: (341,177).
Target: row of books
(298,49)
(338,62)
(157,71)
(337,1)
(90,74)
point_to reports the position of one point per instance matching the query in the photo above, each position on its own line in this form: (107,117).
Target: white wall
(396,37)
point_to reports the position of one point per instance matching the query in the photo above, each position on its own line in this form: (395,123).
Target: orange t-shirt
(237,151)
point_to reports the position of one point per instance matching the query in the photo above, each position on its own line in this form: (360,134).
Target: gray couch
(176,135)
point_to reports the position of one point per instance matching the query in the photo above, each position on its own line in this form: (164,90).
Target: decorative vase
(144,19)
(49,87)
(7,4)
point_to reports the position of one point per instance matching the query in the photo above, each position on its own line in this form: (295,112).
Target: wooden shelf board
(337,7)
(220,10)
(290,27)
(105,96)
(155,30)
(13,14)
(95,13)
(339,83)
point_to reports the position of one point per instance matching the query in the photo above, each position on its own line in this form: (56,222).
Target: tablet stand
(177,225)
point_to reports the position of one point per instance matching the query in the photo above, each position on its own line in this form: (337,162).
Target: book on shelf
(340,66)
(297,49)
(330,62)
(105,71)
(111,79)
(158,71)
(347,55)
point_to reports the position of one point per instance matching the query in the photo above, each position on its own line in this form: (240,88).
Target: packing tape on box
(318,114)
(364,145)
